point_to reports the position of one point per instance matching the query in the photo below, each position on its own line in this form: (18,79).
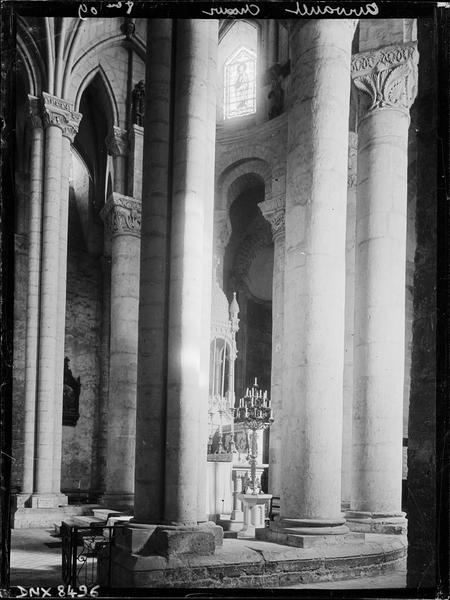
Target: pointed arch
(31,58)
(109,99)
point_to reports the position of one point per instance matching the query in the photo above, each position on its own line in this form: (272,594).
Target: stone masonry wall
(20,304)
(82,347)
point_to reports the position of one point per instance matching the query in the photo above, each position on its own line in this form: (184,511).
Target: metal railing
(81,548)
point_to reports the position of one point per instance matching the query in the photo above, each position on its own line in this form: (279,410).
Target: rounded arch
(233,180)
(107,96)
(238,149)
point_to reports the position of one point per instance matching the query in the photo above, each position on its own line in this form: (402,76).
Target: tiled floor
(36,561)
(35,558)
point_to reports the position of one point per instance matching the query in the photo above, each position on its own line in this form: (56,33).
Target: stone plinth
(256,564)
(372,522)
(175,541)
(254,513)
(168,540)
(308,533)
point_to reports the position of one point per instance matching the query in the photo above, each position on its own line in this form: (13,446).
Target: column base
(169,540)
(38,500)
(234,523)
(307,533)
(394,523)
(121,502)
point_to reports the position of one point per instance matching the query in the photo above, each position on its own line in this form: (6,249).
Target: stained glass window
(240,84)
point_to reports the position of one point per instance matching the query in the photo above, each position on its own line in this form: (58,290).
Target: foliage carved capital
(387,77)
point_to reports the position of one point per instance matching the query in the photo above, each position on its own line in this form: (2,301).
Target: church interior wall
(20,280)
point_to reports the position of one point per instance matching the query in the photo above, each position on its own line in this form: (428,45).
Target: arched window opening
(240,84)
(237,64)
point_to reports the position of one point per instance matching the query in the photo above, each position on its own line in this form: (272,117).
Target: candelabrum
(255,413)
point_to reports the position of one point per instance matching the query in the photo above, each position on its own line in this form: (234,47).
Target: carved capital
(70,129)
(387,77)
(273,211)
(60,113)
(122,215)
(117,142)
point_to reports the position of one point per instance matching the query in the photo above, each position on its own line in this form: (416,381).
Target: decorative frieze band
(388,76)
(117,142)
(122,214)
(60,113)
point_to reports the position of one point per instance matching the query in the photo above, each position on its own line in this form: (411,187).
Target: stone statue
(275,76)
(138,110)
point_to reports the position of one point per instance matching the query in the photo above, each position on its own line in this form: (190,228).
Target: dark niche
(71,396)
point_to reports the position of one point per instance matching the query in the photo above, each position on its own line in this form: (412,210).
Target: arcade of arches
(275,160)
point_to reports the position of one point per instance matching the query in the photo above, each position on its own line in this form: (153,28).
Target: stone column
(32,315)
(349,321)
(56,113)
(387,80)
(153,318)
(316,201)
(209,180)
(102,448)
(69,132)
(117,146)
(136,146)
(122,215)
(273,210)
(192,221)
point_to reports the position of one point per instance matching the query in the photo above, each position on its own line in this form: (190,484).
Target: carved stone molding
(387,77)
(273,210)
(122,215)
(59,113)
(352,159)
(35,113)
(222,232)
(136,132)
(117,142)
